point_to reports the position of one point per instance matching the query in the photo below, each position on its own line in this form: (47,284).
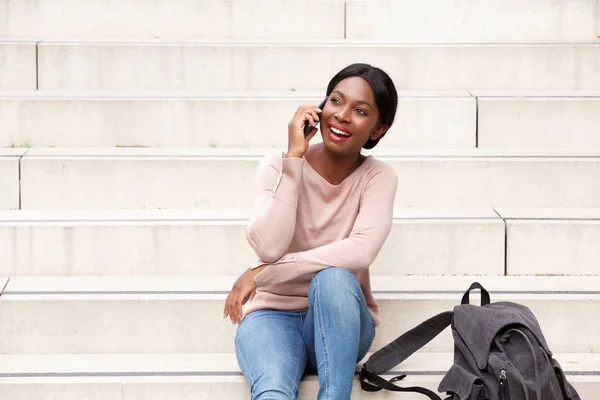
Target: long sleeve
(273,220)
(356,252)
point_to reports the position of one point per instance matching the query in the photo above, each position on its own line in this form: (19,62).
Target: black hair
(384,92)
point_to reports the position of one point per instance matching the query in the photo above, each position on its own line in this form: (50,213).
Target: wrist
(256,272)
(291,153)
(259,269)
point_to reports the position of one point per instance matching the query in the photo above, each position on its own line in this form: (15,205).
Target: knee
(273,395)
(335,276)
(335,284)
(272,389)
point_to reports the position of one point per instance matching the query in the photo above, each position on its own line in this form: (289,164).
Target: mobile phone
(307,127)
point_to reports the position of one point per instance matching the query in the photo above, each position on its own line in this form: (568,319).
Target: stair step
(184,119)
(426,120)
(402,20)
(207,376)
(176,20)
(121,178)
(208,65)
(494,21)
(18,66)
(200,242)
(559,122)
(9,178)
(94,315)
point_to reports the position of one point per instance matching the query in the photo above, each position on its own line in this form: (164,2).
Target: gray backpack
(499,354)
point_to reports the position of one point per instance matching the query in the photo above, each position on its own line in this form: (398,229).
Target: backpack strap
(485,296)
(404,346)
(380,383)
(399,350)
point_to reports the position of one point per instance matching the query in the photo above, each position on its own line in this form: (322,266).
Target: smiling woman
(351,117)
(321,214)
(374,92)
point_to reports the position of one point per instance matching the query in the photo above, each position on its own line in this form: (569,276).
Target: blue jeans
(275,348)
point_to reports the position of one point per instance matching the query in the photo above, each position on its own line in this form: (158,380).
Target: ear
(379,132)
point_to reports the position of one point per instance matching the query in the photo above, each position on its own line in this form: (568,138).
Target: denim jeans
(275,348)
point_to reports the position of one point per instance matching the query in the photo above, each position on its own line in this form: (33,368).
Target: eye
(335,100)
(361,111)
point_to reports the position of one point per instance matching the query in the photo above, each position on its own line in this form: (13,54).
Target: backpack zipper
(503,392)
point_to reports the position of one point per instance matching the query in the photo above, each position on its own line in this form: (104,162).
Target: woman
(321,215)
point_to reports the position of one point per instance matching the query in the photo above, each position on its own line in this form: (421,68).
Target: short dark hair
(384,92)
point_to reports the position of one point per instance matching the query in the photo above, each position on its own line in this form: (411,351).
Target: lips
(339,130)
(335,137)
(338,134)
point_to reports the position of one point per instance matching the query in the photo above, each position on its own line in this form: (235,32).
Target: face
(350,117)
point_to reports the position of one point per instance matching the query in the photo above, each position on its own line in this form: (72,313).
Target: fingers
(233,306)
(235,313)
(310,118)
(297,138)
(226,309)
(312,115)
(307,113)
(310,109)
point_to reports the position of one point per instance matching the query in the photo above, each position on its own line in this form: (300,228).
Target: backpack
(499,354)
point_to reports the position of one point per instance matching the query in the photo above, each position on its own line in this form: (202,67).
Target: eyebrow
(358,101)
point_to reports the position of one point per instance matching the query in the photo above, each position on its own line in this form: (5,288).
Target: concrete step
(552,241)
(200,242)
(18,65)
(129,178)
(425,119)
(493,21)
(175,20)
(95,315)
(402,20)
(562,120)
(9,178)
(249,66)
(209,376)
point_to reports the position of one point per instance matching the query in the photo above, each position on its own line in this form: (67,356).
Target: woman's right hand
(297,142)
(243,290)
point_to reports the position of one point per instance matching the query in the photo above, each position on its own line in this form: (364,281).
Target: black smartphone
(307,127)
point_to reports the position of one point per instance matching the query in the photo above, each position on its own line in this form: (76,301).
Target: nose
(343,114)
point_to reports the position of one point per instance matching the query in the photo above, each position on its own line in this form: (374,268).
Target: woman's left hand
(240,293)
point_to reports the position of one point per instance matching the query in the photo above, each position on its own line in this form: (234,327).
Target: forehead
(356,88)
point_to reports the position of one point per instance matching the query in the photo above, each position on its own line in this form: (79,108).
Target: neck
(334,167)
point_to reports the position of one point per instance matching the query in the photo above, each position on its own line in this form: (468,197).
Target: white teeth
(338,132)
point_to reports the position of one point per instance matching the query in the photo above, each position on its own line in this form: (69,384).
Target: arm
(355,253)
(274,214)
(277,180)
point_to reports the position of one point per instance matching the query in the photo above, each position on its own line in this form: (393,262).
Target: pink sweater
(302,224)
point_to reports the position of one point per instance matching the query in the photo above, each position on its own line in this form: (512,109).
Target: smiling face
(350,117)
